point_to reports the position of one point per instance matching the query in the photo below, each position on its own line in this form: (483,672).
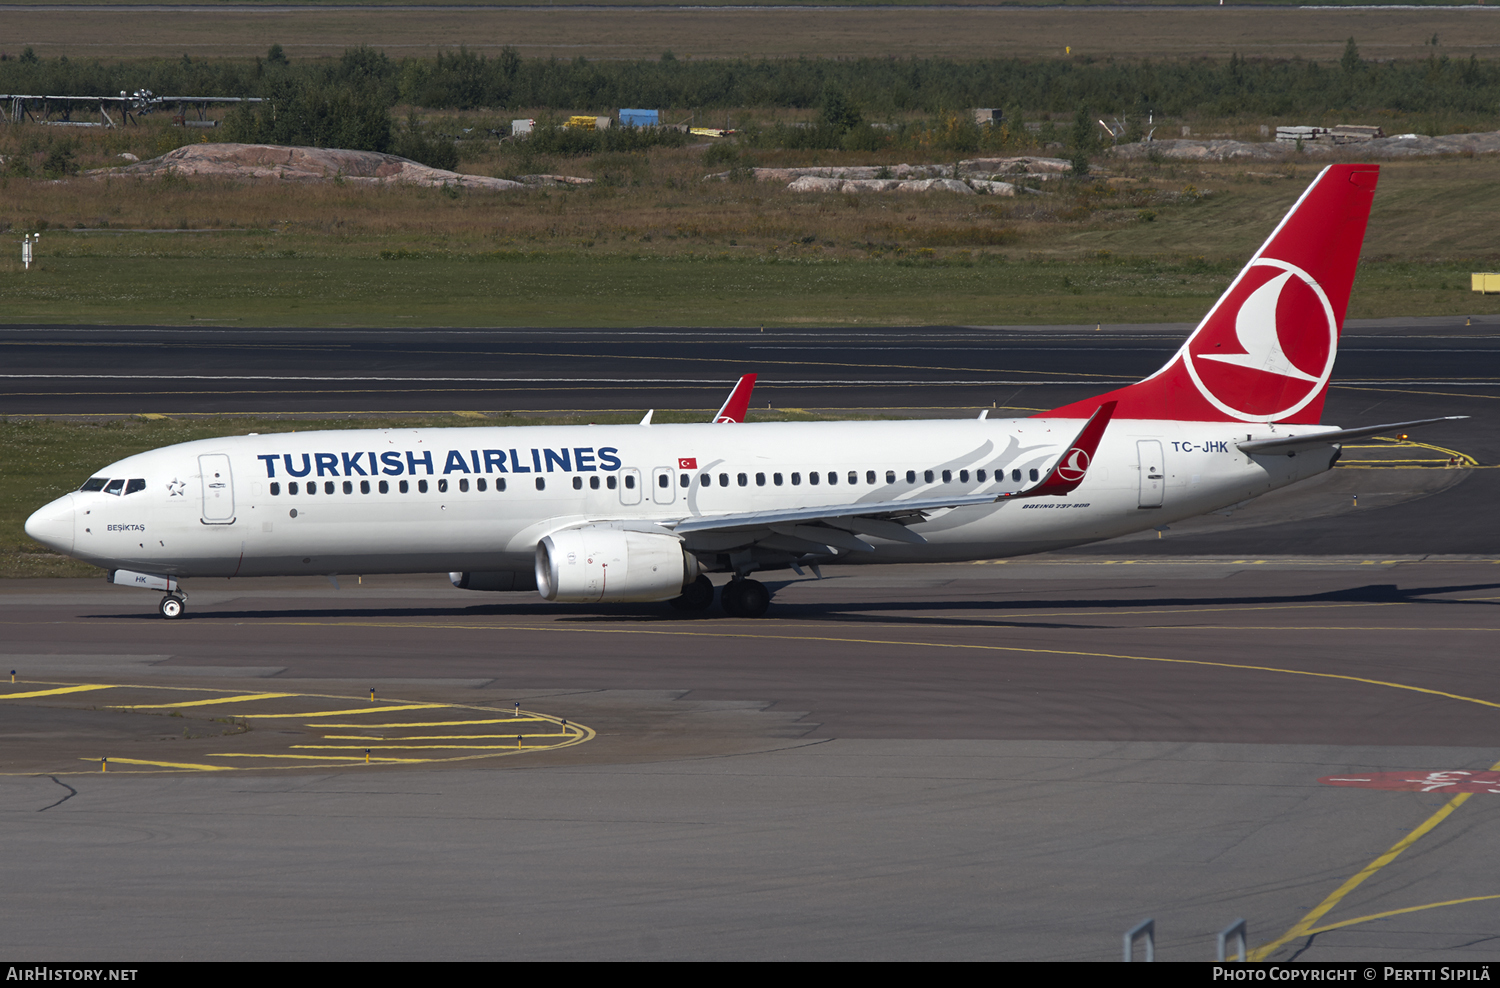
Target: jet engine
(585,565)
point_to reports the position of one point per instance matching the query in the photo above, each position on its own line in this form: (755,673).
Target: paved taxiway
(1011,760)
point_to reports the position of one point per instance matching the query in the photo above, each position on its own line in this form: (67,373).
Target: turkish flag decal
(687,463)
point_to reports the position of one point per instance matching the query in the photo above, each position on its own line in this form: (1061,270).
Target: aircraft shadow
(956,613)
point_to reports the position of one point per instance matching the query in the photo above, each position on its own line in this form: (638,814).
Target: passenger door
(218,489)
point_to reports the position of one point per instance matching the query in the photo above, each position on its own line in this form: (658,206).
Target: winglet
(738,401)
(1073,465)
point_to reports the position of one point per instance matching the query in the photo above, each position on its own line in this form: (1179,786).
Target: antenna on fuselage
(647,419)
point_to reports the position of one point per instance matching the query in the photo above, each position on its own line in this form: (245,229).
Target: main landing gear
(739,597)
(745,598)
(171,606)
(696,596)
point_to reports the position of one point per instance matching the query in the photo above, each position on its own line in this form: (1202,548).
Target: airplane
(644,512)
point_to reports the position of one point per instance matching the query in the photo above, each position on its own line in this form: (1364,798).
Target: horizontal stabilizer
(1289,443)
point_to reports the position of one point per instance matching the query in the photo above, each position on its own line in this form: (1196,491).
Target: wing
(833,528)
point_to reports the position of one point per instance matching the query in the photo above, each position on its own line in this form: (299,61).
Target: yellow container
(1486,282)
(582,123)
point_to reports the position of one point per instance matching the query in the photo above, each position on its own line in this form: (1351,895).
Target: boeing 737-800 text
(642,512)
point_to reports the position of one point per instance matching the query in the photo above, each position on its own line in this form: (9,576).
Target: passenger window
(421,487)
(869,477)
(760,480)
(796,479)
(443,486)
(136,484)
(541,483)
(94,484)
(776,479)
(963,476)
(385,487)
(723,480)
(463,484)
(404,487)
(705,480)
(1034,474)
(364,487)
(593,483)
(911,476)
(312,487)
(292,487)
(813,477)
(480,485)
(947,476)
(275,488)
(1015,476)
(327,487)
(927,476)
(660,481)
(833,478)
(499,483)
(742,479)
(979,476)
(687,480)
(577,483)
(890,477)
(348,487)
(610,483)
(630,481)
(115,487)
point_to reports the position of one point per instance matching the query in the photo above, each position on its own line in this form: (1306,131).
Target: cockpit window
(136,484)
(115,486)
(94,484)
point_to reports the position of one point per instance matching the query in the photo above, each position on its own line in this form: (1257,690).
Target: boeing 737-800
(643,512)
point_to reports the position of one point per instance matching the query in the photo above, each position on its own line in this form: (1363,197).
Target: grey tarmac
(1012,759)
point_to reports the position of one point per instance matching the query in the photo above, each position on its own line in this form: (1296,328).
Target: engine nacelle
(586,565)
(495,581)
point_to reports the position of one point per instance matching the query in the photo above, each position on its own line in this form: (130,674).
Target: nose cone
(52,525)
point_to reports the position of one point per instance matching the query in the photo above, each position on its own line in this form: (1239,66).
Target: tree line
(347,101)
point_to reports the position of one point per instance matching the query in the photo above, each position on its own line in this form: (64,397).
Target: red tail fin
(738,401)
(1265,351)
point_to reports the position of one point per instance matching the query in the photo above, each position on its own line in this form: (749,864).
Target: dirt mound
(295,164)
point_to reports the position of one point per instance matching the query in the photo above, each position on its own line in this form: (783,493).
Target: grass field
(778,32)
(660,246)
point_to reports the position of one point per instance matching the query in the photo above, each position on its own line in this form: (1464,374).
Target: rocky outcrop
(1402,146)
(983,175)
(297,164)
(817,183)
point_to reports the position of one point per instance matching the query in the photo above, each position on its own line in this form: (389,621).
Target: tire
(729,598)
(754,600)
(745,598)
(696,596)
(171,607)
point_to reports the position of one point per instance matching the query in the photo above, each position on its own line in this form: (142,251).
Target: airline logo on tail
(1268,348)
(1075,463)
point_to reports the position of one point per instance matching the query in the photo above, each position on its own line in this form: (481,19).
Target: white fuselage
(226,507)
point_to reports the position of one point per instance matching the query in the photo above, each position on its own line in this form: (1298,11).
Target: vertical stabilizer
(1265,351)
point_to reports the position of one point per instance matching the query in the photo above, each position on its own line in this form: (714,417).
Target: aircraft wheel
(696,596)
(745,598)
(171,607)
